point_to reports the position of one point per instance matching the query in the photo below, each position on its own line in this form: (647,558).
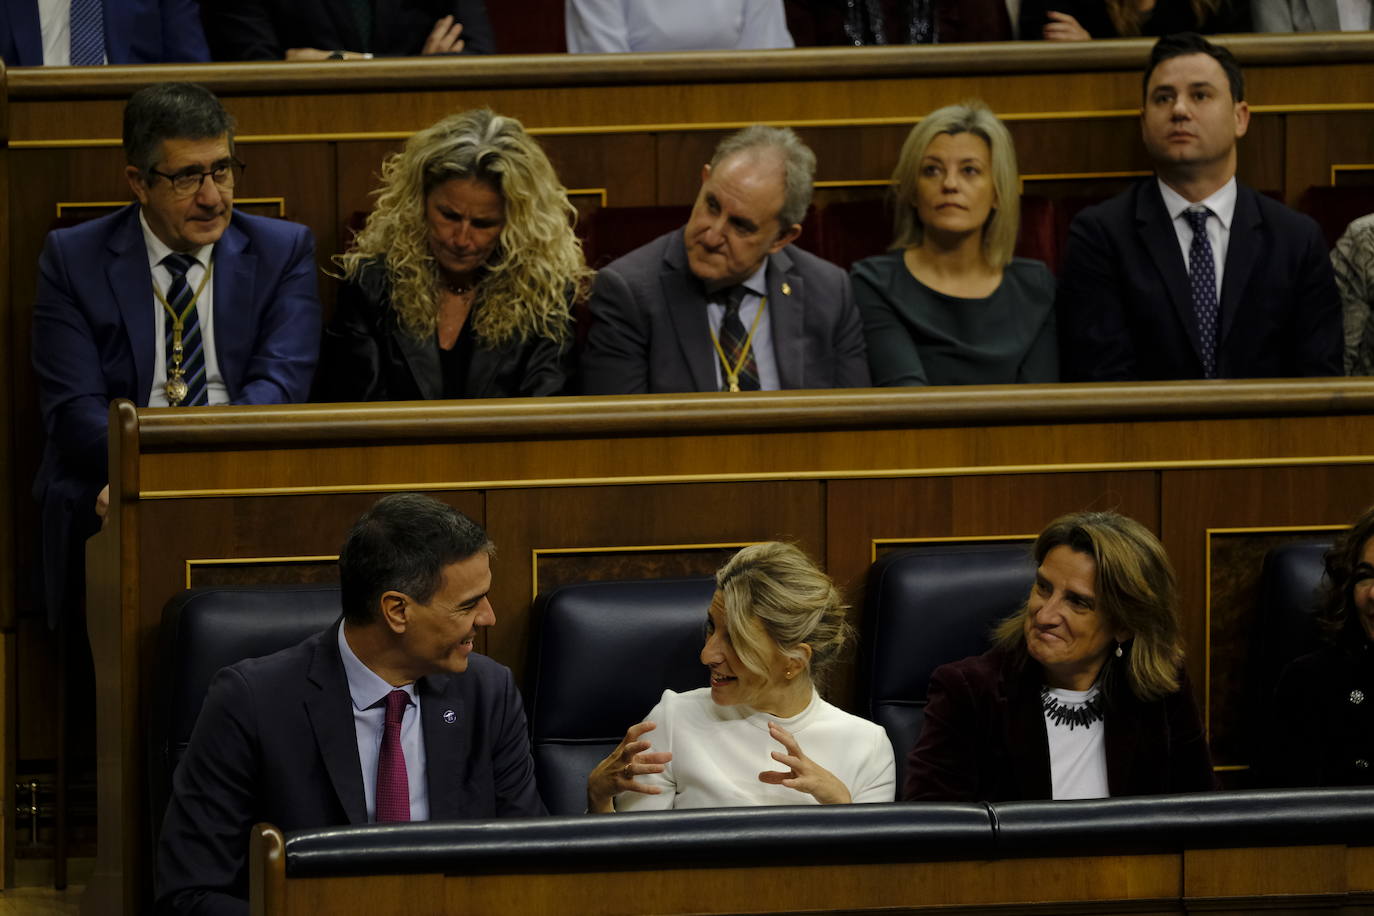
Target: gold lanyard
(732,372)
(176,388)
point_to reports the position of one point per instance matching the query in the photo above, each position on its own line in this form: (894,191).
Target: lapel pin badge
(787,289)
(450,716)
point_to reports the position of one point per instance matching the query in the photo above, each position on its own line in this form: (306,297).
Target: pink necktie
(393,789)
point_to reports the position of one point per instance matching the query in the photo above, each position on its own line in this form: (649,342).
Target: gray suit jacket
(649,329)
(1295,15)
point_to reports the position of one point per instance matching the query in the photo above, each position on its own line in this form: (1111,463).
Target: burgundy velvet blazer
(984,737)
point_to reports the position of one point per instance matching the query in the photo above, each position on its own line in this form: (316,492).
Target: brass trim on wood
(1202,464)
(1350,167)
(253,561)
(949,539)
(538,552)
(91,204)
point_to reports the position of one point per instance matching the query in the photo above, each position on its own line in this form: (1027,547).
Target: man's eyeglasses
(184,184)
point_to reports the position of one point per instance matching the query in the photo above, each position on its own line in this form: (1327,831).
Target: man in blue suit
(174,300)
(128,31)
(1191,274)
(389,715)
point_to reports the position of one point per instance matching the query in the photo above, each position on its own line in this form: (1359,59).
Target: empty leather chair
(206,629)
(602,655)
(926,607)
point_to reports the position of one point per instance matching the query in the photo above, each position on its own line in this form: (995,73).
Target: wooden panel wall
(651,485)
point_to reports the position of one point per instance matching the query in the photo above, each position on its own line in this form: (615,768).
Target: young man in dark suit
(1191,274)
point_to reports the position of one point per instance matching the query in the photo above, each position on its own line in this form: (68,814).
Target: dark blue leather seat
(205,629)
(926,607)
(602,654)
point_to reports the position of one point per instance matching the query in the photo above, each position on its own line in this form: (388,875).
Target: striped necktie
(88,33)
(733,337)
(179,296)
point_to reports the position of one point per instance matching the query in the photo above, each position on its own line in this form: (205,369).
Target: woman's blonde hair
(538,260)
(972,117)
(772,591)
(1134,589)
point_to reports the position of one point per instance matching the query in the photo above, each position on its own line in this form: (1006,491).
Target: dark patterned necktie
(1202,277)
(393,787)
(733,336)
(179,296)
(87,33)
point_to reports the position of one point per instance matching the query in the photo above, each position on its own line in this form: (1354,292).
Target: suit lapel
(1161,241)
(446,747)
(422,356)
(26,32)
(131,281)
(1325,17)
(788,319)
(235,268)
(1241,252)
(687,311)
(331,720)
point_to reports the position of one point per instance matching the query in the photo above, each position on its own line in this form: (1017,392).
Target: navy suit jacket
(275,742)
(136,32)
(984,737)
(1125,308)
(650,332)
(93,329)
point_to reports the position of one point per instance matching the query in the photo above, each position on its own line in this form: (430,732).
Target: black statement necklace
(1074,715)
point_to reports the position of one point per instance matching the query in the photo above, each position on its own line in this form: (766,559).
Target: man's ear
(1242,118)
(785,238)
(137,183)
(395,610)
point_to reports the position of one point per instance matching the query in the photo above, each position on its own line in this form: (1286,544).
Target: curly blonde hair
(538,260)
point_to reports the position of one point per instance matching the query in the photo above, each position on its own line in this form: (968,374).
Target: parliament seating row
(1109,855)
(604,651)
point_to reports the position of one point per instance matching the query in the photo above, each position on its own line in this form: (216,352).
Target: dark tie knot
(1197,218)
(396,702)
(730,297)
(179,263)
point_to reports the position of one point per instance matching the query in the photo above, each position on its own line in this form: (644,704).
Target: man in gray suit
(1308,16)
(726,303)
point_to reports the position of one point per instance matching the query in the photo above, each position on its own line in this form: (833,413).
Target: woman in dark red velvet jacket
(1083,694)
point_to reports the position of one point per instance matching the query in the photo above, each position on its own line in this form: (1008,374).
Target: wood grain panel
(523,521)
(1279,871)
(1194,501)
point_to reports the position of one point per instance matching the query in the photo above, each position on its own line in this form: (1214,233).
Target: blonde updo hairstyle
(772,591)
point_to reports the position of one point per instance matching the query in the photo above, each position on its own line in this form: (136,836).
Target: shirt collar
(365,687)
(1222,203)
(756,282)
(158,250)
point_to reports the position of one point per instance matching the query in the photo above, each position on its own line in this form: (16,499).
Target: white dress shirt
(369,693)
(1221,205)
(215,390)
(1353,14)
(602,26)
(55,22)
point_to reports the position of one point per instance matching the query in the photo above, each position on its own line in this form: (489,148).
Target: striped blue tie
(192,353)
(88,33)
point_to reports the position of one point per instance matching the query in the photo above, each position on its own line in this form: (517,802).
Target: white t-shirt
(719,751)
(1078,753)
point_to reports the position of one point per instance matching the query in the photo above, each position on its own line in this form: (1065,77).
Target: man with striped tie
(172,301)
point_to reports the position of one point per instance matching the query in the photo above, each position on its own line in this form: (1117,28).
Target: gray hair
(798,165)
(171,111)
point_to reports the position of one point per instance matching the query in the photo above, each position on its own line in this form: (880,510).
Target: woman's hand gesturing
(805,775)
(617,772)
